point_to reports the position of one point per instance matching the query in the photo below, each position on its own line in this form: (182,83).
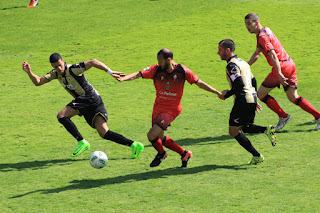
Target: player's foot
(136,149)
(158,159)
(185,157)
(82,146)
(33,3)
(256,160)
(282,122)
(318,124)
(270,133)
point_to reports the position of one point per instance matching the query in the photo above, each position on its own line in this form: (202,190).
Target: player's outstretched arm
(130,77)
(255,56)
(205,86)
(99,65)
(38,81)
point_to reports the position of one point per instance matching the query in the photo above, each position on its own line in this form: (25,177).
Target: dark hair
(166,53)
(252,16)
(228,43)
(55,57)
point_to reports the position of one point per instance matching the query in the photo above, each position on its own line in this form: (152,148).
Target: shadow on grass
(198,141)
(9,8)
(89,183)
(35,164)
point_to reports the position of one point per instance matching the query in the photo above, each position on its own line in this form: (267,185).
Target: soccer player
(87,101)
(33,3)
(283,72)
(243,87)
(168,78)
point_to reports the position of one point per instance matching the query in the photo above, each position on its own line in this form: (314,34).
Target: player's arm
(38,81)
(130,77)
(99,65)
(207,87)
(276,64)
(255,56)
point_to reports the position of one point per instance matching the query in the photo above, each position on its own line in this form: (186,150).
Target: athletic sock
(115,137)
(274,106)
(157,144)
(252,128)
(71,128)
(170,144)
(306,106)
(245,143)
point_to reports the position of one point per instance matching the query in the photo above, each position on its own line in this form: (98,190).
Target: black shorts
(89,107)
(242,114)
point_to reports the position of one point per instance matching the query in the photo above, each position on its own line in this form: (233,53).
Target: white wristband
(110,72)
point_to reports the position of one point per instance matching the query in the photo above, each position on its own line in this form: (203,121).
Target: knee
(60,116)
(233,132)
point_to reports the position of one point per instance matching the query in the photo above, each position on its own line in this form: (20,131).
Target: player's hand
(223,93)
(26,67)
(121,74)
(258,108)
(283,80)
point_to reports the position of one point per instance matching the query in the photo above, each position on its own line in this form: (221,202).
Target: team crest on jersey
(168,86)
(146,69)
(175,77)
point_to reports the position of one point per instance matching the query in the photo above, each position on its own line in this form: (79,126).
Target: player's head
(226,49)
(252,22)
(165,58)
(57,62)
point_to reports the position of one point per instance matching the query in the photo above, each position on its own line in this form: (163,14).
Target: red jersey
(169,86)
(267,41)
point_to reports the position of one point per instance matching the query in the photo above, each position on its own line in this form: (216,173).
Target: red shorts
(288,69)
(163,119)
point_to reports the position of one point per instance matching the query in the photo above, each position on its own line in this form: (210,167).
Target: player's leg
(236,122)
(100,124)
(247,116)
(155,135)
(64,118)
(293,96)
(263,95)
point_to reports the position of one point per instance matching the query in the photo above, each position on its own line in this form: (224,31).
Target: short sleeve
(190,76)
(149,72)
(78,69)
(265,43)
(51,75)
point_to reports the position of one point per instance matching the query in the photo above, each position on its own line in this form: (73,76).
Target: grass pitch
(36,172)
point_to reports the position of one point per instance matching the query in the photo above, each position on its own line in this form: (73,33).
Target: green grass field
(37,173)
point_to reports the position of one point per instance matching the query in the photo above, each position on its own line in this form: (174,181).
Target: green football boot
(83,145)
(256,160)
(136,149)
(271,136)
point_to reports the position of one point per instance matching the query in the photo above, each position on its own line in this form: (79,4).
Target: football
(98,159)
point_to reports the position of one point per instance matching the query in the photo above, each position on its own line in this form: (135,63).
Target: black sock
(245,143)
(252,128)
(72,129)
(115,137)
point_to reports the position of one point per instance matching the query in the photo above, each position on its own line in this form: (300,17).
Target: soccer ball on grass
(98,159)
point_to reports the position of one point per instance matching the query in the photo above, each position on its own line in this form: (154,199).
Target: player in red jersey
(169,78)
(283,71)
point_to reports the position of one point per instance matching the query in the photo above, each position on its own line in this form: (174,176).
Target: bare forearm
(97,64)
(34,78)
(207,87)
(254,57)
(131,76)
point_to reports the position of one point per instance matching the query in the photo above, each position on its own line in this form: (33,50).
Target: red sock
(306,106)
(157,144)
(170,144)
(274,106)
